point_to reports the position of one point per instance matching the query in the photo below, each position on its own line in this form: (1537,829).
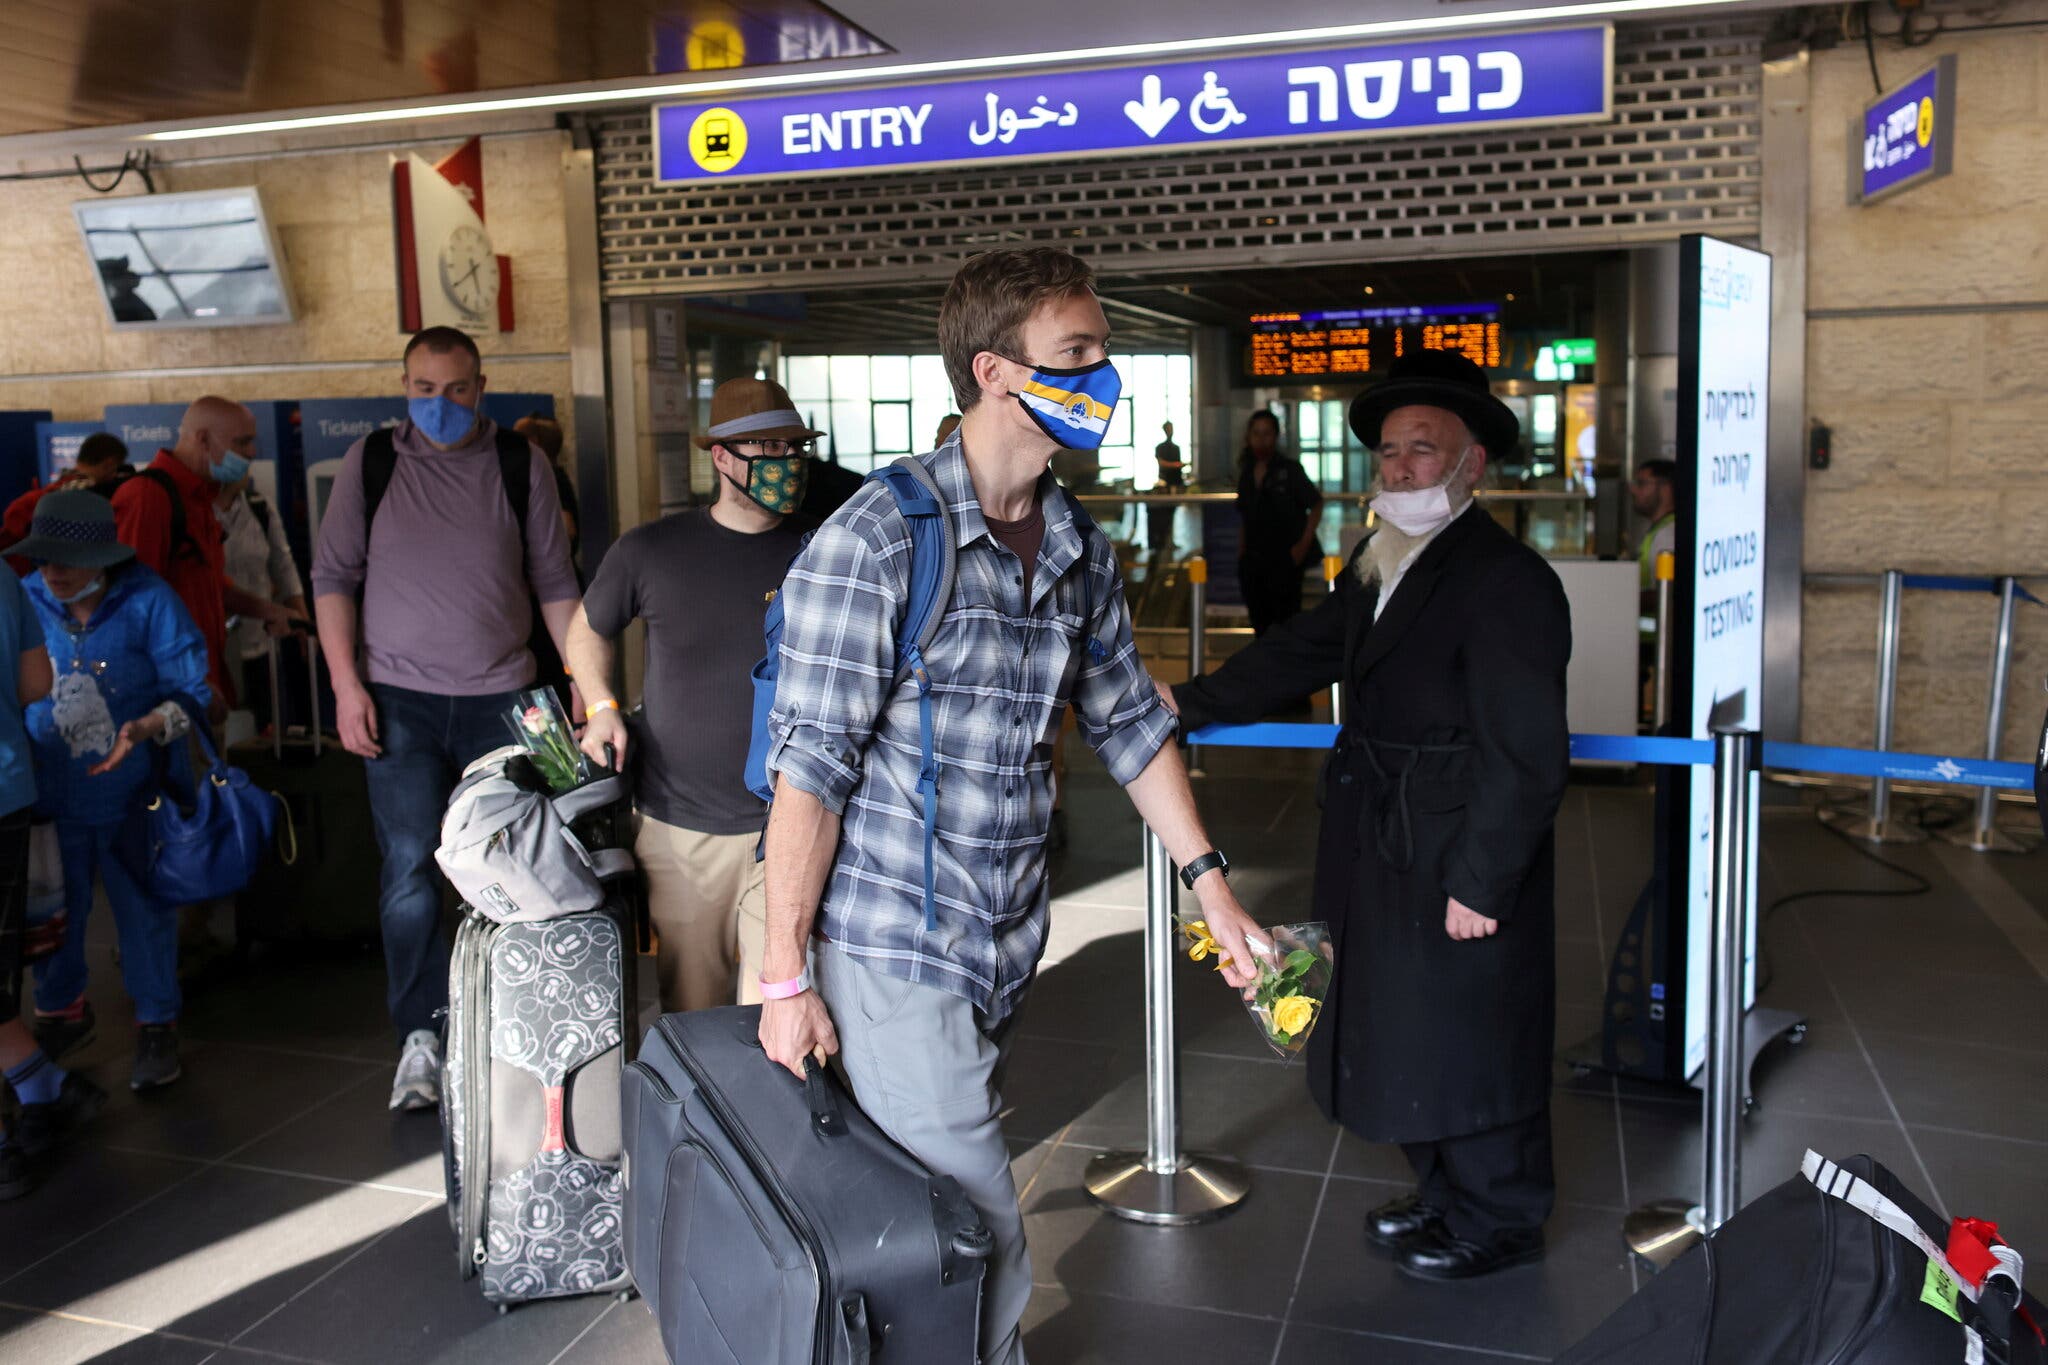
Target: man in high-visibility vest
(1654,490)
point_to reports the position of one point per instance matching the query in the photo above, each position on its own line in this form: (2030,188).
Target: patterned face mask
(775,482)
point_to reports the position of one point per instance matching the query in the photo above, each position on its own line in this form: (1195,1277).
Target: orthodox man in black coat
(1435,863)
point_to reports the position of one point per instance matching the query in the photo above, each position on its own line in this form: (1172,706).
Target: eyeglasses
(772,450)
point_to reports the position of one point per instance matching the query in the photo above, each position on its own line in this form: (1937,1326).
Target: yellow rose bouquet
(1294,964)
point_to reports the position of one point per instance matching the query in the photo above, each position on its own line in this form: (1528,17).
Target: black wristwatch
(1210,861)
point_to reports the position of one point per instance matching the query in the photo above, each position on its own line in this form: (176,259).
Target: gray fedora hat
(73,526)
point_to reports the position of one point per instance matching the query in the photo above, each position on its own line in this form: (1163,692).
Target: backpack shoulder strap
(515,472)
(182,544)
(380,458)
(934,559)
(260,508)
(934,563)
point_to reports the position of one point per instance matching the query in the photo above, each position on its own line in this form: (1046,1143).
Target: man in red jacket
(216,442)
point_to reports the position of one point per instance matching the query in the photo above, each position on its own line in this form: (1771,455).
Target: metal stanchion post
(1198,639)
(1163,1185)
(1983,834)
(1333,566)
(1660,1232)
(1660,705)
(1877,825)
(1735,765)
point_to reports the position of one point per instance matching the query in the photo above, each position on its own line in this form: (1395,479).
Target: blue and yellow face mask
(1073,407)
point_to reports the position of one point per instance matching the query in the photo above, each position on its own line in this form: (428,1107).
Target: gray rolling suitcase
(538,1018)
(541,1017)
(770,1222)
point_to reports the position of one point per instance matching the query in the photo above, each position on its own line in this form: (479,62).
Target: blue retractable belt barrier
(1962,772)
(1666,749)
(1670,750)
(1267,734)
(1954,583)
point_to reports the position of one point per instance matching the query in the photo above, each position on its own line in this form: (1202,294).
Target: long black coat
(1445,782)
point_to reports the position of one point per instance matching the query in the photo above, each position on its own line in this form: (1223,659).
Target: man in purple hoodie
(437,540)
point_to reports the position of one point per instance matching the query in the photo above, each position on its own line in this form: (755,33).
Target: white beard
(1390,545)
(1384,552)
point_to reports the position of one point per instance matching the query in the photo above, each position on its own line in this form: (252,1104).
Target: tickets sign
(1906,136)
(1438,84)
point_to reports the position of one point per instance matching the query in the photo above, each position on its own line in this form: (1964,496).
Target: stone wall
(1940,420)
(331,212)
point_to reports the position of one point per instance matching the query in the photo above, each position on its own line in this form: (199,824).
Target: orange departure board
(1356,341)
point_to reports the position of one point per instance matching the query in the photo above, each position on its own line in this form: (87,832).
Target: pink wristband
(783,990)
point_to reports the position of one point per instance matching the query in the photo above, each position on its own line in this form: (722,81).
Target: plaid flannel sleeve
(1115,705)
(838,661)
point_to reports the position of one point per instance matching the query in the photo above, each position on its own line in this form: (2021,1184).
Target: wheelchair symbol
(1213,110)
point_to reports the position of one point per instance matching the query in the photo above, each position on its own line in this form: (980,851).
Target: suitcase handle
(825,1115)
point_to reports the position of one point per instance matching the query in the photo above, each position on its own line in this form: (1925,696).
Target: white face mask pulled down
(1419,513)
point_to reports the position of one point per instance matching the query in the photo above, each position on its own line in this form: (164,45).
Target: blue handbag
(186,844)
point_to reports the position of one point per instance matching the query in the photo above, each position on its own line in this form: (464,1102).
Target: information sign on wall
(1723,417)
(1905,136)
(1495,80)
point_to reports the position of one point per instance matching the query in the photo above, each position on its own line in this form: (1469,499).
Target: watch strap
(1199,867)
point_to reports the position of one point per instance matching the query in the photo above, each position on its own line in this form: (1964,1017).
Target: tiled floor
(269,1208)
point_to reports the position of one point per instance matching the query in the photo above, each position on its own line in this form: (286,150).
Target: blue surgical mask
(231,468)
(1072,406)
(440,418)
(83,593)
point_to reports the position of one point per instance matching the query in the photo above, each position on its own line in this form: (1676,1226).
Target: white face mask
(1419,512)
(84,592)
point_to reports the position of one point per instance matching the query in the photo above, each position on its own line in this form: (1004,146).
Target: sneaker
(17,1175)
(418,1082)
(156,1057)
(40,1127)
(58,1034)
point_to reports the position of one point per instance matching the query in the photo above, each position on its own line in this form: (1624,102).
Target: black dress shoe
(1435,1254)
(1395,1221)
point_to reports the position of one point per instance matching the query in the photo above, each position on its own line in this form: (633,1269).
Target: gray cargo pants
(922,1067)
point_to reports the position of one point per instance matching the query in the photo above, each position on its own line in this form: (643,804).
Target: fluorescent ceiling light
(1594,9)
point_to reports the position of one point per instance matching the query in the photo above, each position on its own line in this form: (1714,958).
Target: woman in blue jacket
(121,645)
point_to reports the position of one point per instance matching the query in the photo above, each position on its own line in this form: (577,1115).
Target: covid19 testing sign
(1436,84)
(1724,422)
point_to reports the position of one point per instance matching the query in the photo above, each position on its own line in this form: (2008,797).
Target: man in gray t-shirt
(701,581)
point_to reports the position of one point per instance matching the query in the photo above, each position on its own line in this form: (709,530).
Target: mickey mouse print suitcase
(538,1019)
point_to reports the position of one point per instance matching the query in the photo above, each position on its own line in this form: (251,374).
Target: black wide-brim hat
(74,527)
(1438,379)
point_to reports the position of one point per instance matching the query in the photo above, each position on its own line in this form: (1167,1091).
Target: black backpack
(183,545)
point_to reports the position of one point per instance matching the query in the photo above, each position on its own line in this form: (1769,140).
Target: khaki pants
(704,896)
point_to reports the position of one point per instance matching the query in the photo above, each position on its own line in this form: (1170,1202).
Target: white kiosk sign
(1723,419)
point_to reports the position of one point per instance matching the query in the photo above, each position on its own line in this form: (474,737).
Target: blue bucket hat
(75,527)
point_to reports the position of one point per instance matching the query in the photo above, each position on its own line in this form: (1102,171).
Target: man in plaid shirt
(917,1011)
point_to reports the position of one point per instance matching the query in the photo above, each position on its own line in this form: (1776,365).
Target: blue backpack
(933,570)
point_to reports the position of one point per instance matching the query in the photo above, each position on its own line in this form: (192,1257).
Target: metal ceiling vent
(1681,155)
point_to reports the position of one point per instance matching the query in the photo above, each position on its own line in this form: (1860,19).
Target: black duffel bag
(1826,1269)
